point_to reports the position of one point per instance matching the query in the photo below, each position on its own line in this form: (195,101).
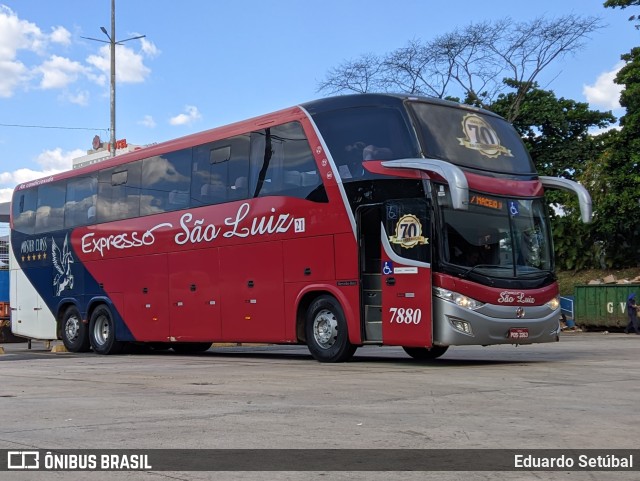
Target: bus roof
(255,123)
(380,100)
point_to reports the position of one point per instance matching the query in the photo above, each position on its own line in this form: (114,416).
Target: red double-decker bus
(342,222)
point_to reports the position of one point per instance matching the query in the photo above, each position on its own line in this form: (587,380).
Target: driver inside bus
(359,152)
(373,152)
(472,249)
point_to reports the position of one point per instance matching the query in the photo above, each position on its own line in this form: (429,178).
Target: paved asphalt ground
(580,393)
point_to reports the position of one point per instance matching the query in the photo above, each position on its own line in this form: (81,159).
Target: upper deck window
(119,192)
(80,208)
(355,135)
(165,182)
(471,139)
(24,211)
(282,164)
(220,171)
(50,211)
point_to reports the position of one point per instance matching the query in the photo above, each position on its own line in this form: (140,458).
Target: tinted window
(220,171)
(119,192)
(364,133)
(24,211)
(282,164)
(166,182)
(471,139)
(50,211)
(80,208)
(408,228)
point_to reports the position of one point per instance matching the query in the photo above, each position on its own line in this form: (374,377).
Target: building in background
(4,255)
(4,218)
(102,151)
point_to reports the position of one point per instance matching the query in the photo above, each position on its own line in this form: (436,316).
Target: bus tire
(102,332)
(74,332)
(426,353)
(326,331)
(190,347)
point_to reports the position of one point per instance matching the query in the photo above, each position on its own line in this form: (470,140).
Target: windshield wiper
(469,271)
(536,273)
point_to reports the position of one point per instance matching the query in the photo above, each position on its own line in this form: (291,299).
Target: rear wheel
(326,331)
(74,332)
(102,332)
(426,353)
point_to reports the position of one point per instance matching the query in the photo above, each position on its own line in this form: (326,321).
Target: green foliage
(616,176)
(625,4)
(567,280)
(621,3)
(555,130)
(573,244)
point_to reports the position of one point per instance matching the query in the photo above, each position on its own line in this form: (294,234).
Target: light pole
(112,43)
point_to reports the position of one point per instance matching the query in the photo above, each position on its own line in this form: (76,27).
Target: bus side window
(288,166)
(50,211)
(166,182)
(357,135)
(239,168)
(119,192)
(80,208)
(209,174)
(24,211)
(220,171)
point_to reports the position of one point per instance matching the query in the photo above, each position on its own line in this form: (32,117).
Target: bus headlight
(554,303)
(457,298)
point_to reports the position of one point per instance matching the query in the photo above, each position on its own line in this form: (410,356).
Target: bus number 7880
(400,315)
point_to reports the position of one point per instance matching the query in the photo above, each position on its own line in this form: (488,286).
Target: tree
(556,133)
(361,75)
(471,61)
(555,130)
(616,176)
(624,4)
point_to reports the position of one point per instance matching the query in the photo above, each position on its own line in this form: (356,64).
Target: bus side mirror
(584,198)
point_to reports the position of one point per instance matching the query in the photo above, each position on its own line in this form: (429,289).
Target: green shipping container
(603,305)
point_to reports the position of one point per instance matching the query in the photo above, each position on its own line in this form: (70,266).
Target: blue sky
(207,63)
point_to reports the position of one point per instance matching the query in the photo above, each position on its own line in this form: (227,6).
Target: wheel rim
(101,330)
(72,328)
(325,329)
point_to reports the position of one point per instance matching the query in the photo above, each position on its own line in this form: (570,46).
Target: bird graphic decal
(62,261)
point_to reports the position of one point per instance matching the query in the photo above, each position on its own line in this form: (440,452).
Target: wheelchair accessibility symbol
(387,268)
(513,208)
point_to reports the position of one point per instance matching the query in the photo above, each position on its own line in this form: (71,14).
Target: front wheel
(326,331)
(102,332)
(74,332)
(424,353)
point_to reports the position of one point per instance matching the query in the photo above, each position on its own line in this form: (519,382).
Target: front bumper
(490,324)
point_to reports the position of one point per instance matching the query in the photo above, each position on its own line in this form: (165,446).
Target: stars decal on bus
(35,257)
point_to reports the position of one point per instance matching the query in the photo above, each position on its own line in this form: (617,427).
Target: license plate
(518,333)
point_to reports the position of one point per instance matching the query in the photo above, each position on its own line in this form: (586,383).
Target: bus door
(405,270)
(30,317)
(368,219)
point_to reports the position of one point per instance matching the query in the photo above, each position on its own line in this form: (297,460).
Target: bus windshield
(471,139)
(497,236)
